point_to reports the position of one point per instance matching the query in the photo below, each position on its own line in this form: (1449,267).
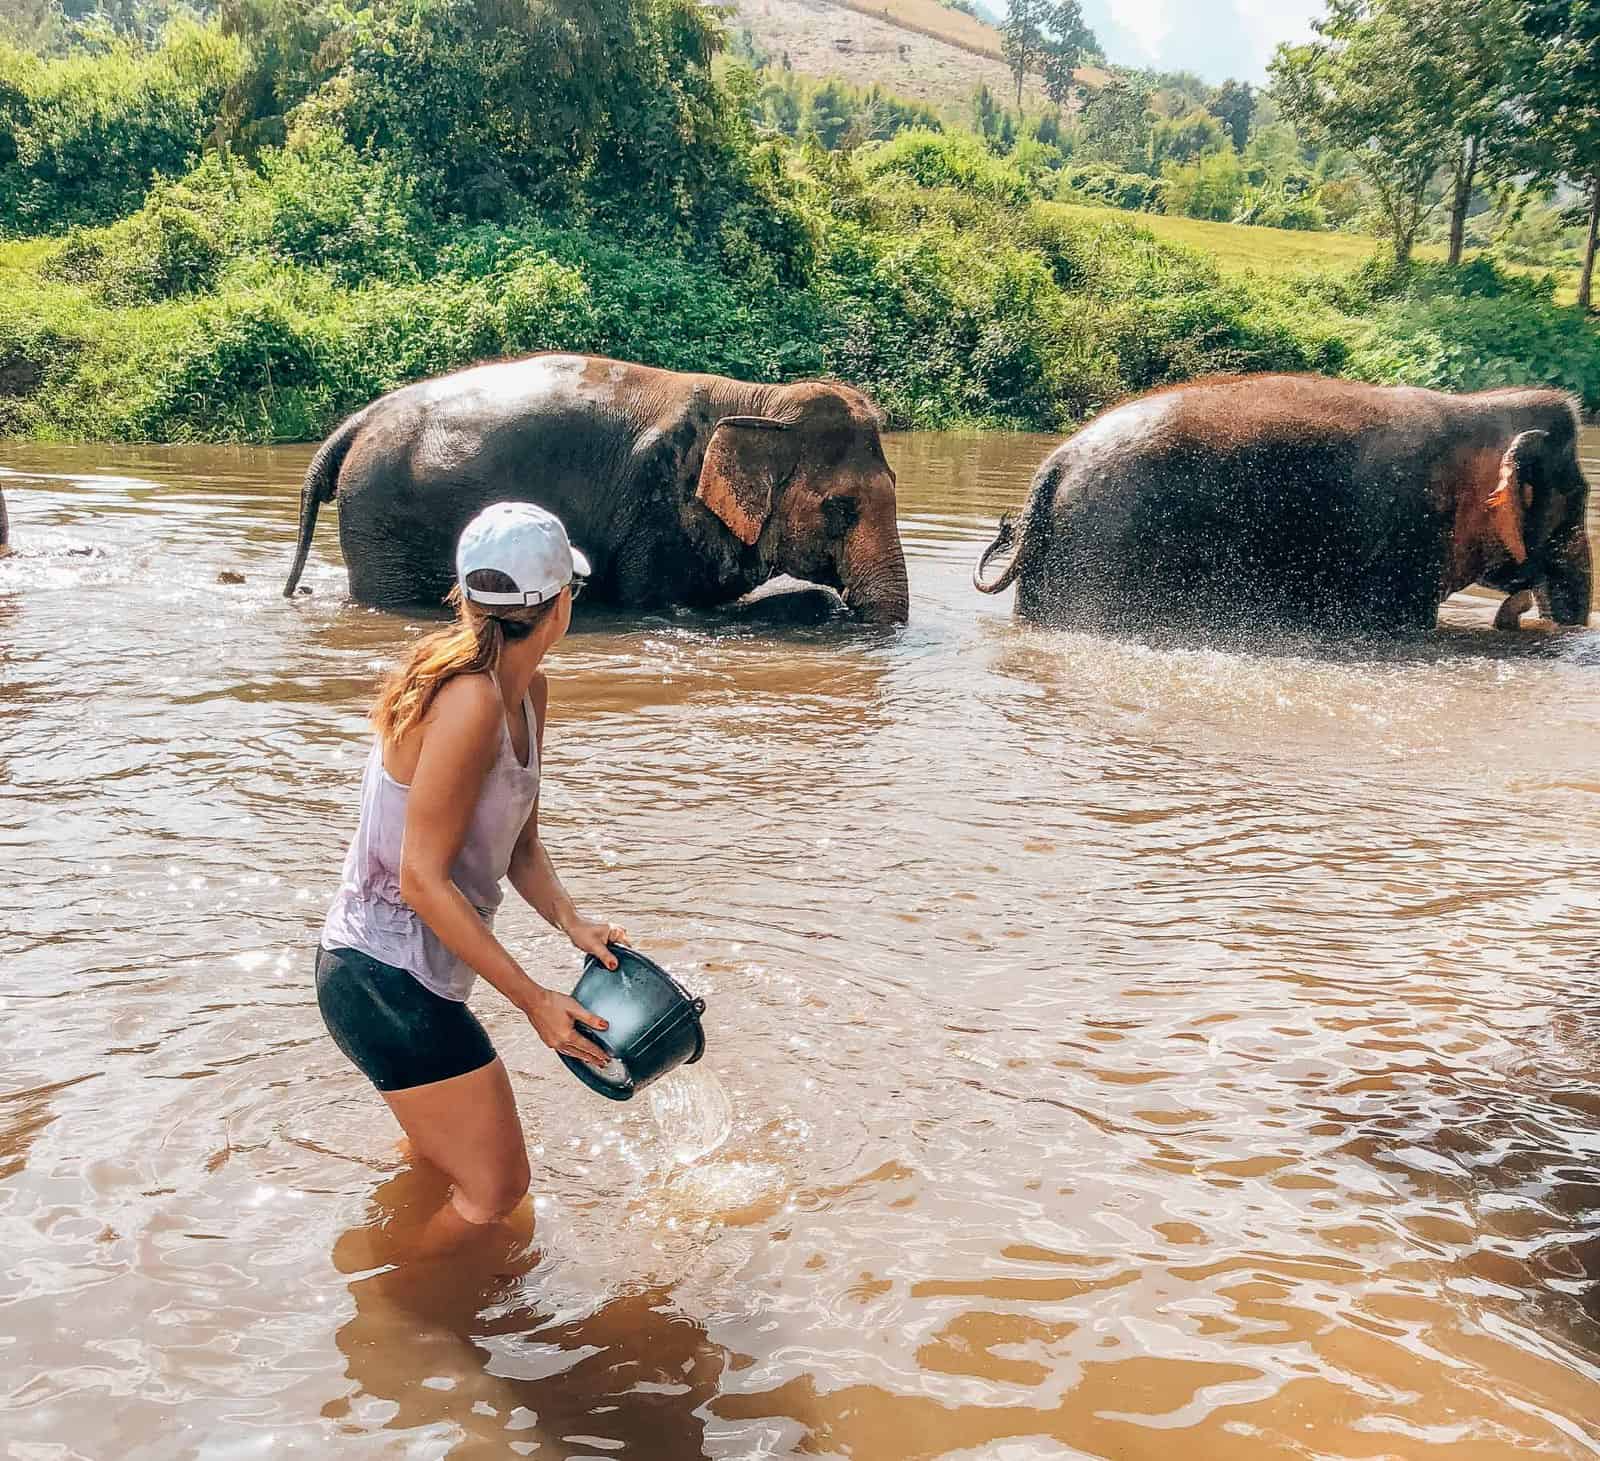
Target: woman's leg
(467,1127)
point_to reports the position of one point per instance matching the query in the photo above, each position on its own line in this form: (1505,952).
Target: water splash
(728,1191)
(692,1112)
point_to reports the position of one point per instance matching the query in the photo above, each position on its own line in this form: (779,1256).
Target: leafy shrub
(1470,340)
(1107,186)
(165,249)
(1212,187)
(1304,213)
(85,134)
(948,160)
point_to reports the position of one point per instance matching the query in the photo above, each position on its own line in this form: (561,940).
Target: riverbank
(264,304)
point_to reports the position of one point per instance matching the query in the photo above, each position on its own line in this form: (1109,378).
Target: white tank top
(368,912)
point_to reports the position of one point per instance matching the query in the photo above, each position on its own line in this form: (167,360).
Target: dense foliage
(420,185)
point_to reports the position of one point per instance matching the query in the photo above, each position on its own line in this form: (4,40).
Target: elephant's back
(1233,416)
(477,404)
(549,425)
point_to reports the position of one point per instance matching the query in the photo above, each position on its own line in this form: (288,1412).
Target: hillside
(913,48)
(1275,251)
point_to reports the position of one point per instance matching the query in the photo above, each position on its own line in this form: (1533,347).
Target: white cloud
(1216,38)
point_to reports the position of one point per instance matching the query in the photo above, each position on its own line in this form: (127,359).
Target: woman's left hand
(590,937)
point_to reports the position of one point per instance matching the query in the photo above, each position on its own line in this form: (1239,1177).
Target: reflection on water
(1112,1047)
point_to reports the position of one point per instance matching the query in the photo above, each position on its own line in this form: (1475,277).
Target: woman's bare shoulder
(469,696)
(466,712)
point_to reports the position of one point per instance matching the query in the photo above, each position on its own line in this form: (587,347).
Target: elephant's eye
(840,514)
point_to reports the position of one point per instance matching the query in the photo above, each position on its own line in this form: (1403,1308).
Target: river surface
(1132,1052)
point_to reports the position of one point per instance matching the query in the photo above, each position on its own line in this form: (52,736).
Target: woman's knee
(494,1195)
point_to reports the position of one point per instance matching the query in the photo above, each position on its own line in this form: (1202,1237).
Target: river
(1131,1051)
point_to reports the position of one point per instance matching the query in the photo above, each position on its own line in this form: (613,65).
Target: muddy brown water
(1131,1050)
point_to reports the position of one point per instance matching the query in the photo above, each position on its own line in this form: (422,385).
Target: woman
(449,808)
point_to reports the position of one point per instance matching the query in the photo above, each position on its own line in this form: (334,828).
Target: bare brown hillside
(914,48)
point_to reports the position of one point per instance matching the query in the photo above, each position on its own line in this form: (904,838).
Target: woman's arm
(533,875)
(460,739)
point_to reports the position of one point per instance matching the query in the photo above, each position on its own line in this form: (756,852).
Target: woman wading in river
(450,808)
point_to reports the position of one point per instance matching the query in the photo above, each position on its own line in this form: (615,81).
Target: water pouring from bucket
(652,1024)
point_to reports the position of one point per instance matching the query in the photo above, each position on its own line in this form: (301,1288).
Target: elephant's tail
(321,483)
(1007,537)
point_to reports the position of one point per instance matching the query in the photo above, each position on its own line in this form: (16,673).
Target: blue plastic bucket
(652,1024)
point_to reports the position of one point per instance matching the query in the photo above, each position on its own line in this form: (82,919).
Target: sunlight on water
(692,1112)
(725,1189)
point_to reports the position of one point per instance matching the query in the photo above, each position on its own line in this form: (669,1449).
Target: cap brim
(580,565)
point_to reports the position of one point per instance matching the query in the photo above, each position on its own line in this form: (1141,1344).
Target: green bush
(1103,184)
(166,249)
(948,160)
(82,137)
(442,196)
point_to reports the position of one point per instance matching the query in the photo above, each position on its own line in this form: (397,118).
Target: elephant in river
(1305,504)
(5,528)
(681,489)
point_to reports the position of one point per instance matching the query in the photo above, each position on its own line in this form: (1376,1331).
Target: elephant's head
(1537,514)
(809,489)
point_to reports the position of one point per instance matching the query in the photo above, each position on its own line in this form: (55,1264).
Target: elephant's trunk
(1570,579)
(5,528)
(873,575)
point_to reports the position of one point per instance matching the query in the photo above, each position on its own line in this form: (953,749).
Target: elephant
(5,528)
(682,490)
(1301,503)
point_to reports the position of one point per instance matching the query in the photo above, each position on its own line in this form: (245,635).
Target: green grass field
(1278,251)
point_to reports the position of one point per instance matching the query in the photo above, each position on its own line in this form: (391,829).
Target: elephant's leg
(391,571)
(1509,619)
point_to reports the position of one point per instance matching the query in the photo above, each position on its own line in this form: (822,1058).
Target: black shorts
(399,1033)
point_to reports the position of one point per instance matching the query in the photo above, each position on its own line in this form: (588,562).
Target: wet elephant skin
(1301,503)
(683,490)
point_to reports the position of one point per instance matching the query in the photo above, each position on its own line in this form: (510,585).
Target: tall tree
(1366,86)
(1234,105)
(1116,124)
(1564,100)
(1068,40)
(1479,56)
(1022,37)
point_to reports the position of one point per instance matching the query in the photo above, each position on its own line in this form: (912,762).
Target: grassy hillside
(914,48)
(1274,252)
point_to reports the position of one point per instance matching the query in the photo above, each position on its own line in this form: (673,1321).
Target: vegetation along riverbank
(243,223)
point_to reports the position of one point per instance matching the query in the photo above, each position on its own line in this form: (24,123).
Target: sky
(1214,38)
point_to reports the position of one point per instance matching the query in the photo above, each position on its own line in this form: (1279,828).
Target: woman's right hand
(556,1016)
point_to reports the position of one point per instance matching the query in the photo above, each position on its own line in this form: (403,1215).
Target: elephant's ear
(747,460)
(1513,493)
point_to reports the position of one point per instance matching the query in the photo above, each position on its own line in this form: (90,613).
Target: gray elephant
(5,528)
(1302,503)
(681,489)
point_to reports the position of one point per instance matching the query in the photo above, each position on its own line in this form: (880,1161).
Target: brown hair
(470,646)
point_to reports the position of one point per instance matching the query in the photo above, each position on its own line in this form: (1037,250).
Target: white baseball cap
(524,542)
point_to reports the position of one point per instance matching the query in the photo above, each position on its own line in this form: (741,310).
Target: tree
(1364,85)
(1022,37)
(1115,126)
(1183,139)
(1068,40)
(1234,105)
(985,113)
(1479,50)
(830,115)
(1563,91)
